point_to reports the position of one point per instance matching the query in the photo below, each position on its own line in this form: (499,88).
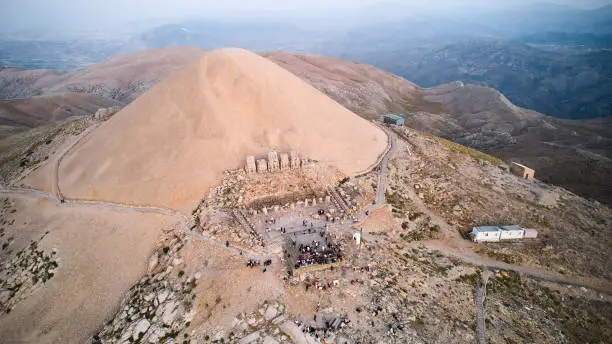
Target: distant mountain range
(30,98)
(587,40)
(61,55)
(543,17)
(208,34)
(561,84)
(553,59)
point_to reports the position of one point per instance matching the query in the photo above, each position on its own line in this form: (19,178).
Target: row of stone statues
(305,203)
(273,164)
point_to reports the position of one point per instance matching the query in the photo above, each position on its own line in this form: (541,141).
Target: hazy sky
(17,15)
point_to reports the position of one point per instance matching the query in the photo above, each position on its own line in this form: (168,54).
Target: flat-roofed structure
(530,233)
(486,233)
(511,232)
(393,119)
(522,171)
(500,233)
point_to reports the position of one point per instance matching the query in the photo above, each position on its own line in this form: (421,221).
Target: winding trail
(383,178)
(57,197)
(55,189)
(183,220)
(537,273)
(453,245)
(481,292)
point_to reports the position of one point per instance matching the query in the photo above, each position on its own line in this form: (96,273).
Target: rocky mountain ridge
(556,83)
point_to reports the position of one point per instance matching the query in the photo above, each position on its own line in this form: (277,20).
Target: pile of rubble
(230,191)
(409,297)
(159,307)
(265,325)
(325,327)
(269,325)
(105,113)
(29,269)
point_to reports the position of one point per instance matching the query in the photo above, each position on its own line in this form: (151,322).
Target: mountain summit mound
(169,146)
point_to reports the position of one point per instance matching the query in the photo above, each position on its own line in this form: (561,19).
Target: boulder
(156,334)
(153,262)
(270,340)
(162,296)
(141,327)
(5,295)
(251,338)
(170,313)
(270,312)
(218,336)
(104,113)
(125,336)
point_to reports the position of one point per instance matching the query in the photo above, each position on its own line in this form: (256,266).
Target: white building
(511,232)
(530,233)
(486,233)
(499,233)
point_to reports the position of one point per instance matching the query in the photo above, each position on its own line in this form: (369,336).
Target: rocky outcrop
(104,113)
(124,93)
(159,306)
(29,269)
(263,326)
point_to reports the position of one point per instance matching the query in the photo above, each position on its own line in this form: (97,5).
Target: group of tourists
(253,263)
(316,253)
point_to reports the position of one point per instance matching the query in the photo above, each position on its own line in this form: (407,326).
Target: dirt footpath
(100,253)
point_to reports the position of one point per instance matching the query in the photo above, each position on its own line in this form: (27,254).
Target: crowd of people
(317,253)
(253,263)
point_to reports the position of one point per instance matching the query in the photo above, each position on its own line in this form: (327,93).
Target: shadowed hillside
(23,114)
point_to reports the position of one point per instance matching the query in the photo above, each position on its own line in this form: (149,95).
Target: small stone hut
(522,171)
(393,119)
